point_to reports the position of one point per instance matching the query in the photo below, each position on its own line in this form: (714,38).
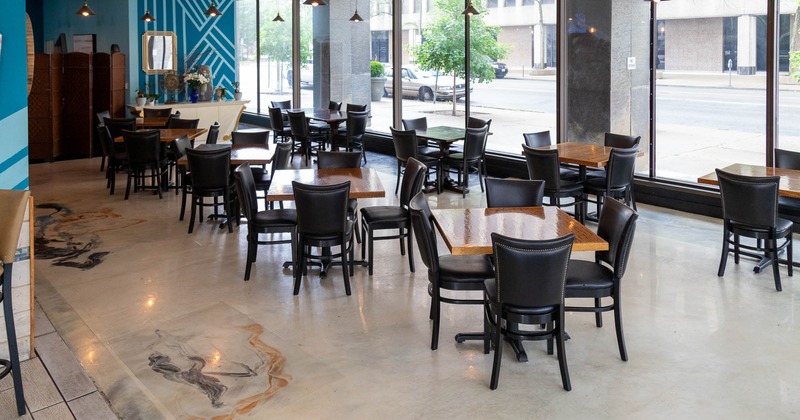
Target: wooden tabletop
(364,182)
(170,134)
(584,154)
(152,122)
(789,185)
(254,154)
(468,231)
(442,133)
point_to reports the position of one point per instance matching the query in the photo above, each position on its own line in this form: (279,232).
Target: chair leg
(183,202)
(128,189)
(195,203)
(723,259)
(789,254)
(487,329)
(251,253)
(773,243)
(102,163)
(402,245)
(371,251)
(397,184)
(345,267)
(562,356)
(299,266)
(498,351)
(409,239)
(363,235)
(598,316)
(228,211)
(435,315)
(623,352)
(11,335)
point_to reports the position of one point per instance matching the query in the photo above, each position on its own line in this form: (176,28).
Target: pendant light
(85,10)
(470,10)
(213,11)
(147,17)
(315,3)
(356,17)
(278,18)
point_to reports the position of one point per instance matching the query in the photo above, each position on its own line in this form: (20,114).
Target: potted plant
(220,93)
(152,98)
(141,97)
(237,95)
(376,72)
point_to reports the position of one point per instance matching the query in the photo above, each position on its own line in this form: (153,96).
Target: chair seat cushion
(490,287)
(376,215)
(789,206)
(587,278)
(465,269)
(567,189)
(599,184)
(568,174)
(275,217)
(782,228)
(429,151)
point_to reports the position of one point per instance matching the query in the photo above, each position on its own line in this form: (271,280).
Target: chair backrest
(282,157)
(210,168)
(334,106)
(413,178)
(617,225)
(179,146)
(787,159)
(415,123)
(246,191)
(143,147)
(321,209)
(276,119)
(157,112)
(106,142)
(543,165)
(116,125)
(475,142)
(473,122)
(537,139)
(515,260)
(405,144)
(281,104)
(250,137)
(422,225)
(335,160)
(514,192)
(101,116)
(213,133)
(298,124)
(183,123)
(355,108)
(621,165)
(356,125)
(621,140)
(749,200)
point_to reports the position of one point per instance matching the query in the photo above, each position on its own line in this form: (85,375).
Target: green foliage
(276,37)
(794,65)
(376,69)
(235,86)
(443,48)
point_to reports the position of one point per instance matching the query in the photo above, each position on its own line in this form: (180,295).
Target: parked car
(421,84)
(306,76)
(500,69)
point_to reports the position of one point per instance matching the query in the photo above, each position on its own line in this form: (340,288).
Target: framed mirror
(159,52)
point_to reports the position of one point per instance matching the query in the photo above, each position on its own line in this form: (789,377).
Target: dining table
(254,154)
(444,136)
(152,122)
(468,231)
(169,134)
(581,154)
(789,185)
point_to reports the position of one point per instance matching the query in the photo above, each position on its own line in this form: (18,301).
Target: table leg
(449,183)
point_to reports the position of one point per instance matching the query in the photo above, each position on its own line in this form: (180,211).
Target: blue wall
(14,106)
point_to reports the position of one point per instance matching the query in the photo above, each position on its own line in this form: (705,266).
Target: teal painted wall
(14,106)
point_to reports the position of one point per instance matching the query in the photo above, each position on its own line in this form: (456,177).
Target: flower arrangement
(195,80)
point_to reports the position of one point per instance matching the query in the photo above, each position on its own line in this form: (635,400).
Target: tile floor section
(165,326)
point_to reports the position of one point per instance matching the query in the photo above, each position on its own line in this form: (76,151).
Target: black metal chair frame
(544,165)
(405,148)
(211,178)
(145,153)
(301,133)
(472,157)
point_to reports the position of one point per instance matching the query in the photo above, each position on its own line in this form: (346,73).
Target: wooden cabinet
(78,99)
(45,108)
(109,83)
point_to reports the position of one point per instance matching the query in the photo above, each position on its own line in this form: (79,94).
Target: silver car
(421,84)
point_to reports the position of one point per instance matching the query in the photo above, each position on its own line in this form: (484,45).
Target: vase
(194,96)
(237,96)
(141,100)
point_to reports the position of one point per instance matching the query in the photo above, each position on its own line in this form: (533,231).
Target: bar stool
(12,208)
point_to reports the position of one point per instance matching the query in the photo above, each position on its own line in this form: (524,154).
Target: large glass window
(789,95)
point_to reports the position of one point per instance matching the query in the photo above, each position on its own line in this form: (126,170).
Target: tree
(443,48)
(794,45)
(276,38)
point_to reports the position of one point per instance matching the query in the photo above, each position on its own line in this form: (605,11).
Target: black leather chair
(116,158)
(303,136)
(421,123)
(267,221)
(213,133)
(405,148)
(210,178)
(182,176)
(788,207)
(280,160)
(622,141)
(280,126)
(334,106)
(157,112)
(183,123)
(537,139)
(253,136)
(446,272)
(281,104)
(543,165)
(618,179)
(519,298)
(602,278)
(145,154)
(116,125)
(100,117)
(750,208)
(353,138)
(322,222)
(334,160)
(514,192)
(355,108)
(472,157)
(394,217)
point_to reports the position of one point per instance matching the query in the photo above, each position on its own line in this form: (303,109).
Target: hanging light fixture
(470,10)
(147,17)
(278,18)
(315,3)
(213,11)
(356,17)
(85,10)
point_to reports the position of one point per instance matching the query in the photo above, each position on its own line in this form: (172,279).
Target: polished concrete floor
(164,324)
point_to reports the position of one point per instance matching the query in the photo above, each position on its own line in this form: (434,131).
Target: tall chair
(267,221)
(213,133)
(518,298)
(618,179)
(421,123)
(394,217)
(602,277)
(280,127)
(157,112)
(322,222)
(750,208)
(13,204)
(145,154)
(405,148)
(210,178)
(537,139)
(514,193)
(543,165)
(339,160)
(472,157)
(183,123)
(302,135)
(354,135)
(456,273)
